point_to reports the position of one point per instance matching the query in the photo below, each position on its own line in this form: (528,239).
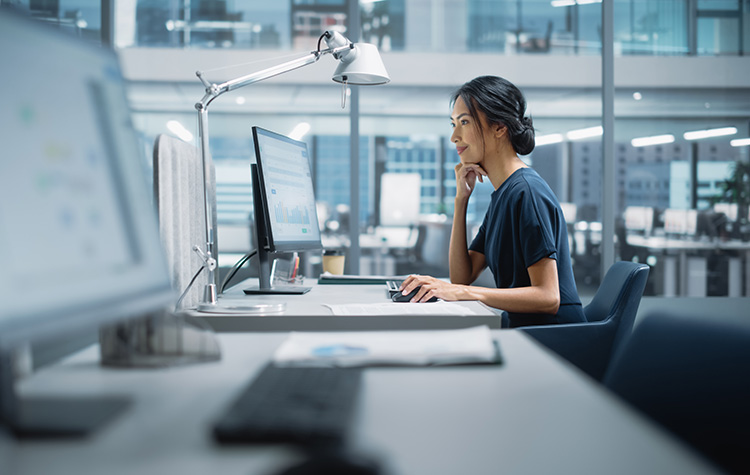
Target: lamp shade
(362,66)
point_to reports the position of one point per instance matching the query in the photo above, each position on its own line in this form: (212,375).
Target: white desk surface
(533,415)
(309,312)
(677,244)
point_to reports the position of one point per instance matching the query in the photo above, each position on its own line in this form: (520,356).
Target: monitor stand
(52,417)
(261,235)
(264,280)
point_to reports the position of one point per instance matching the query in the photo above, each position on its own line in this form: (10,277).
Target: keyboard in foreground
(305,406)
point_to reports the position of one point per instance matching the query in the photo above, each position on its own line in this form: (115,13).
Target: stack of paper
(420,348)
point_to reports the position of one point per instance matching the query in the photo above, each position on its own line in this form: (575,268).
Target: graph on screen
(288,189)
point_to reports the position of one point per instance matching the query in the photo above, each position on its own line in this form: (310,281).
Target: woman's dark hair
(502,103)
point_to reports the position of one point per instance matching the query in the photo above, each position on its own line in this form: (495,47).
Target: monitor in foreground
(77,224)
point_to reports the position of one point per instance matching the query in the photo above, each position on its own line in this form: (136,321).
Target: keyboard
(304,406)
(393,286)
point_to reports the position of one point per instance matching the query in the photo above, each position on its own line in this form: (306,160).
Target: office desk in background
(685,263)
(309,312)
(534,414)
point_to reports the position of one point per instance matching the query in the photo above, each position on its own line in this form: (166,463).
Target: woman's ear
(500,130)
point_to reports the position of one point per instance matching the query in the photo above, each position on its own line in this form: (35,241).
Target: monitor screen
(78,228)
(286,192)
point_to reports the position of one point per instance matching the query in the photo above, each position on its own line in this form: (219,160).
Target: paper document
(394,308)
(375,348)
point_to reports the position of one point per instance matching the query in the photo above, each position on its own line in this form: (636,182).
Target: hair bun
(523,142)
(527,123)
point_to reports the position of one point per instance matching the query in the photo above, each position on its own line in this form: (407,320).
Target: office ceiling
(418,110)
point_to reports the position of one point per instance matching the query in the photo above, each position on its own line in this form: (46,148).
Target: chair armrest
(587,345)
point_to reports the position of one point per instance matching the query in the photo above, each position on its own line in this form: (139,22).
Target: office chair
(691,375)
(610,317)
(178,189)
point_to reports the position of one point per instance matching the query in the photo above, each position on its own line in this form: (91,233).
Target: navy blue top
(524,223)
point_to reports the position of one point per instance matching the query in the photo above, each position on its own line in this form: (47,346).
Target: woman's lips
(460,150)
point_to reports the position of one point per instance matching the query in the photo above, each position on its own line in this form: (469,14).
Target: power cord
(236,267)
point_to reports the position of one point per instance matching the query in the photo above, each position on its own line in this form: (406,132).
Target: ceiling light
(180,131)
(585,133)
(653,140)
(740,142)
(299,130)
(240,100)
(704,134)
(570,3)
(637,96)
(548,139)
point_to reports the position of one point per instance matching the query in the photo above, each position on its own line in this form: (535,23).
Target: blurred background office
(681,114)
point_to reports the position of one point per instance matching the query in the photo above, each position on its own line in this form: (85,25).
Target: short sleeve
(536,235)
(477,244)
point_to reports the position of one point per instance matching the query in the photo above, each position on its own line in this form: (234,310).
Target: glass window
(208,23)
(80,17)
(718,36)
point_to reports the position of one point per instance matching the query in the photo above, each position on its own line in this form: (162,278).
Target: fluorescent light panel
(585,133)
(740,142)
(708,133)
(570,3)
(180,131)
(299,130)
(653,140)
(548,139)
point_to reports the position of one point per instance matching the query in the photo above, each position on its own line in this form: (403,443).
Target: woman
(523,238)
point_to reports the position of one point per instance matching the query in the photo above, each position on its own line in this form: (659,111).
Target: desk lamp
(359,64)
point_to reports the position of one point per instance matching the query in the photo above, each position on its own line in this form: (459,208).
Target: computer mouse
(399,297)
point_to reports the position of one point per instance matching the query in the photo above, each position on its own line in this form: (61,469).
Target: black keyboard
(306,406)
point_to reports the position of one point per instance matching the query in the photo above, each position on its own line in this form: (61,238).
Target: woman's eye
(464,122)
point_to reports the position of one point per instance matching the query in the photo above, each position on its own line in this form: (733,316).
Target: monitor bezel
(267,240)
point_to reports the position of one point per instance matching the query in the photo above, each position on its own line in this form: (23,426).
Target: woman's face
(470,143)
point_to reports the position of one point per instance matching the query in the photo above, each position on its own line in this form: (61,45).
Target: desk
(535,414)
(308,312)
(691,272)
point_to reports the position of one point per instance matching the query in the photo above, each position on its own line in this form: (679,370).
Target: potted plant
(736,190)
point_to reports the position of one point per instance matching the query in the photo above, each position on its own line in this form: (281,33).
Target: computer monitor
(78,229)
(400,199)
(285,213)
(639,219)
(681,221)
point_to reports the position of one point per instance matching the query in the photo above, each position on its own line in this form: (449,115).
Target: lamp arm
(215,90)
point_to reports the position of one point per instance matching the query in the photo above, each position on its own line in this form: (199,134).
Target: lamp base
(254,309)
(278,290)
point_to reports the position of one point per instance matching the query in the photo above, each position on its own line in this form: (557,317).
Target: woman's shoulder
(526,179)
(528,184)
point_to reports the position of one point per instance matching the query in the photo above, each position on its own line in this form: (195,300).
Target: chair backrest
(692,375)
(618,297)
(178,188)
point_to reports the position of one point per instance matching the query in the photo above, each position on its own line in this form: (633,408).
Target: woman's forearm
(459,262)
(521,299)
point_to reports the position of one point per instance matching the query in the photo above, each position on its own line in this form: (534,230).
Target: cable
(321,39)
(187,289)
(234,269)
